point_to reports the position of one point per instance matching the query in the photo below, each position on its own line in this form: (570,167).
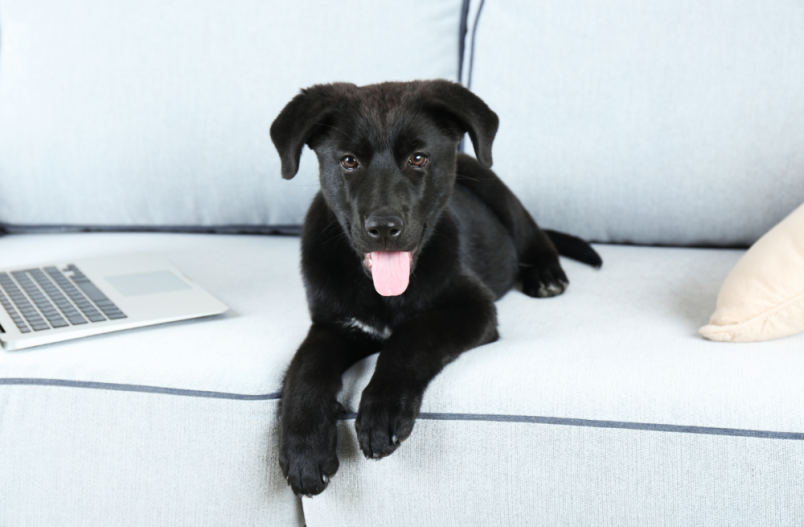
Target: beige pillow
(763,296)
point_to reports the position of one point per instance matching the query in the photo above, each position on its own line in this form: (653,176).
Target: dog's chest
(378,332)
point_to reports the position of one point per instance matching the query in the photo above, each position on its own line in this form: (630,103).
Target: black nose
(384,226)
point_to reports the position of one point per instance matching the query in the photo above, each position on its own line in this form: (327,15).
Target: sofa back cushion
(662,122)
(155,114)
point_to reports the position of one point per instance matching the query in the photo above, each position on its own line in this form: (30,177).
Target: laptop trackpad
(147,283)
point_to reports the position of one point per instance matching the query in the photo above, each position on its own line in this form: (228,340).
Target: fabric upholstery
(763,296)
(595,370)
(86,457)
(165,425)
(243,351)
(455,473)
(601,405)
(622,345)
(157,113)
(664,122)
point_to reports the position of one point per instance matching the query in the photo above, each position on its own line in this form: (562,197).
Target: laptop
(53,302)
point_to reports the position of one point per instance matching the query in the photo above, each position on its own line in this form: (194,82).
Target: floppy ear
(299,119)
(469,112)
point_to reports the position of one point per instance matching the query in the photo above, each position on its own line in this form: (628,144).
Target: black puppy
(397,257)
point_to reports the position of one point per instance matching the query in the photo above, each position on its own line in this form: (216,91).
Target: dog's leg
(308,426)
(540,270)
(413,355)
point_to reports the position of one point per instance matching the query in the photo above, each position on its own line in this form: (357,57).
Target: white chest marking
(382,333)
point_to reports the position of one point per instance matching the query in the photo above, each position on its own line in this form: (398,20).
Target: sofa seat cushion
(599,407)
(244,351)
(604,393)
(622,345)
(166,425)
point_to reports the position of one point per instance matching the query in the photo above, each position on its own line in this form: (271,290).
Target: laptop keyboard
(41,299)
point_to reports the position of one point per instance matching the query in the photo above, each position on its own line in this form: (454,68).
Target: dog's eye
(349,162)
(418,160)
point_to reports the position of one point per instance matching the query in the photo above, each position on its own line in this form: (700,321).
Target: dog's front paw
(308,453)
(385,418)
(544,281)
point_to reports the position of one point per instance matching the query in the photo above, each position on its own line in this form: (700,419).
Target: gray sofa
(671,133)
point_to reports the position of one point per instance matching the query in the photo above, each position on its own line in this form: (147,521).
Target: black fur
(472,241)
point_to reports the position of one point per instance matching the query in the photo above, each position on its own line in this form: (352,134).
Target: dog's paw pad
(375,440)
(306,477)
(308,463)
(383,423)
(544,282)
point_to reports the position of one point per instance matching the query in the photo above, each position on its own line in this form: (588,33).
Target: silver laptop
(42,304)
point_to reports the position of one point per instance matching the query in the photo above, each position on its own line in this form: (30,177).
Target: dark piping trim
(527,419)
(140,388)
(10,228)
(592,423)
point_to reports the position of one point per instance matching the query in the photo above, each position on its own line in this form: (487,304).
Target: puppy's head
(387,155)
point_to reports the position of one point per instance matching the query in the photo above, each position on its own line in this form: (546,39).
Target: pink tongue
(391,272)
